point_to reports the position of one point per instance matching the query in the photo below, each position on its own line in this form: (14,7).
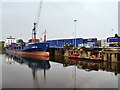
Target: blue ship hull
(39,46)
(33,49)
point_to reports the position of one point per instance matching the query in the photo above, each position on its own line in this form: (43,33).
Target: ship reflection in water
(35,63)
(72,73)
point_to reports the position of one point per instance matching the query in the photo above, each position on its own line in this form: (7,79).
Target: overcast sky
(95,18)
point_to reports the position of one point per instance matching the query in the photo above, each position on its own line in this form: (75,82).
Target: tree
(19,40)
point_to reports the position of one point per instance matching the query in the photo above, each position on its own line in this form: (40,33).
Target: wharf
(106,54)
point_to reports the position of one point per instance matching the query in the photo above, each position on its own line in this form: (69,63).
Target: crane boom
(37,22)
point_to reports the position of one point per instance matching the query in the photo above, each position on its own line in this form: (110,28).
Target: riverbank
(1,47)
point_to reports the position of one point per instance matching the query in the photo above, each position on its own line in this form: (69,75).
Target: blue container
(60,43)
(113,39)
(85,41)
(78,41)
(53,43)
(90,40)
(68,41)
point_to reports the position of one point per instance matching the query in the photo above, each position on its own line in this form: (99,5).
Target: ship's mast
(34,32)
(45,36)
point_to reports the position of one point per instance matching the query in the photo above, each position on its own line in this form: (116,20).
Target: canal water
(57,72)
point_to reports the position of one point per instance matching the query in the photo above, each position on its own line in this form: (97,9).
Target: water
(58,72)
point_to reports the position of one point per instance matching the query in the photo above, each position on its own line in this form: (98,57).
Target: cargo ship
(32,48)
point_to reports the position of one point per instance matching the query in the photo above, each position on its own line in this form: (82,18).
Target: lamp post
(75,31)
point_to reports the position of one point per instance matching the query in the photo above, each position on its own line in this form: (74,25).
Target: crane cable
(38,16)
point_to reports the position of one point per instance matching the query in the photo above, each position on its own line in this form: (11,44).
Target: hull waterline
(30,54)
